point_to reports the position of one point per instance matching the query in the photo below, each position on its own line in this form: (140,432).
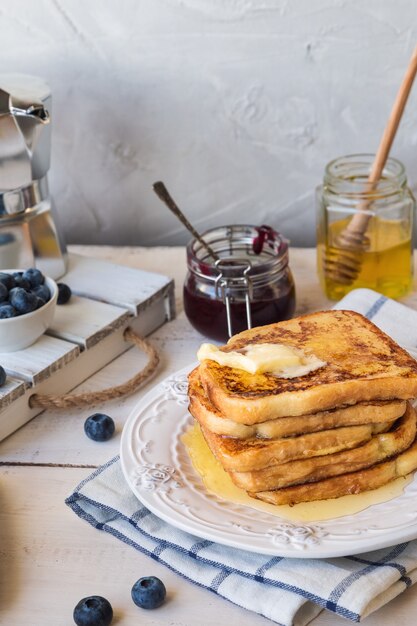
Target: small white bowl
(21,331)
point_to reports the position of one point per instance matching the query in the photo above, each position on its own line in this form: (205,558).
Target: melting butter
(258,358)
(218,482)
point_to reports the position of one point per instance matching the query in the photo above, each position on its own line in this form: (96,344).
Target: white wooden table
(50,558)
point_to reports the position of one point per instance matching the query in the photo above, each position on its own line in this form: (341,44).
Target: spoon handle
(164,195)
(359,221)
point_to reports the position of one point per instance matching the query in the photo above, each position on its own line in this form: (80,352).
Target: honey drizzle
(218,482)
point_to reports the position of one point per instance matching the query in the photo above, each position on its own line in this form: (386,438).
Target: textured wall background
(236,104)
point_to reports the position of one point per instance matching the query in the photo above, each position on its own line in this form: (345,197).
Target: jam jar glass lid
(258,252)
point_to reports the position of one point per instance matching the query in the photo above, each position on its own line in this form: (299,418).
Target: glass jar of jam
(250,284)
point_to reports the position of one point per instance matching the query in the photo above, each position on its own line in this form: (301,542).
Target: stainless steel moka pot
(28,232)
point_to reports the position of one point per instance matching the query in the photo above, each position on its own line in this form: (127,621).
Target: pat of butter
(259,358)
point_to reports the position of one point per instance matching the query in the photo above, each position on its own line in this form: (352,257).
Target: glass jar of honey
(381,256)
(249,284)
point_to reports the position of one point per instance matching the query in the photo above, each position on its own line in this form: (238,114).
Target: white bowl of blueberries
(27,306)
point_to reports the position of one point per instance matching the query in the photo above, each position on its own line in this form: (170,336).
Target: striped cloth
(291,592)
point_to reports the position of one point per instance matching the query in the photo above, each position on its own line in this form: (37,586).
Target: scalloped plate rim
(320,546)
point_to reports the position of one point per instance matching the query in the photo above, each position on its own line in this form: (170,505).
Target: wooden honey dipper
(342,263)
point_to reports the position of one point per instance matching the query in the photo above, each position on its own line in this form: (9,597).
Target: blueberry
(34,277)
(13,291)
(99,427)
(42,292)
(3,376)
(39,302)
(7,280)
(148,592)
(64,293)
(20,281)
(93,611)
(4,292)
(6,311)
(23,301)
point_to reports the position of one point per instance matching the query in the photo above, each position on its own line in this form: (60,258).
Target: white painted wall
(236,104)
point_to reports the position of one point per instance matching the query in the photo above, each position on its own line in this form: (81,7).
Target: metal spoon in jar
(164,195)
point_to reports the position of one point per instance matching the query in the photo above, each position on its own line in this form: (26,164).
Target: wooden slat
(37,362)
(65,379)
(129,288)
(12,389)
(86,322)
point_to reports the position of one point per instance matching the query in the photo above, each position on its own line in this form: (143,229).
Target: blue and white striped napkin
(291,592)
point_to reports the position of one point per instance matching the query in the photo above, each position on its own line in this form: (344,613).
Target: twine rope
(69,401)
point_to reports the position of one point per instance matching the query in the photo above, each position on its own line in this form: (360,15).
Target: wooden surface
(50,558)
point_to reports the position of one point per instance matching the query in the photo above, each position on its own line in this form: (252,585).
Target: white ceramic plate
(158,470)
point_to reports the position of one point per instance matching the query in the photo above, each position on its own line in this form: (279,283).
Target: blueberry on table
(148,592)
(7,311)
(3,376)
(34,277)
(23,301)
(93,611)
(99,427)
(64,293)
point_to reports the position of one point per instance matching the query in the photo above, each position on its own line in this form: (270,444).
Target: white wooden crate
(86,333)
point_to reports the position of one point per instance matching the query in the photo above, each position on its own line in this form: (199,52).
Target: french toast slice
(247,455)
(378,412)
(352,483)
(363,364)
(377,449)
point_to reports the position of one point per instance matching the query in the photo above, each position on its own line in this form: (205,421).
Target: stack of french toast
(312,408)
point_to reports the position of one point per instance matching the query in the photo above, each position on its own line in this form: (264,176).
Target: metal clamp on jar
(227,286)
(28,234)
(249,285)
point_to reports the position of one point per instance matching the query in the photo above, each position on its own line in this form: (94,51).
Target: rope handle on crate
(69,401)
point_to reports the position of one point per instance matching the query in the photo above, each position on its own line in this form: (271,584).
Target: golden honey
(383,258)
(386,266)
(218,482)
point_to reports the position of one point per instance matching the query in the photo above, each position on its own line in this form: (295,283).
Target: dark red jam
(272,292)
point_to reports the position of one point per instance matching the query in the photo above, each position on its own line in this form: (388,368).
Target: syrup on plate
(217,481)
